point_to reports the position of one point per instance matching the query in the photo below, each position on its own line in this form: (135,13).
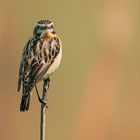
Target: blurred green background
(95,92)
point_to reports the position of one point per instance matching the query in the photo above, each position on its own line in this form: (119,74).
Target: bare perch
(43,109)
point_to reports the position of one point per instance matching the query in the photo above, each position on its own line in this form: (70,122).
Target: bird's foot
(43,102)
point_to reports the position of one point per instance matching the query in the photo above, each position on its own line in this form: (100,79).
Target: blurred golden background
(94,94)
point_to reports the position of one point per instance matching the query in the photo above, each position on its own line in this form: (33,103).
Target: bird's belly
(54,65)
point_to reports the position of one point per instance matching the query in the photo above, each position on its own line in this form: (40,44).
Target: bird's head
(44,29)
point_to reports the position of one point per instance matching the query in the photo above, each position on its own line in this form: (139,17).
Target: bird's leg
(48,82)
(40,100)
(45,89)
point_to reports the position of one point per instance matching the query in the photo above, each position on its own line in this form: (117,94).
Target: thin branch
(43,110)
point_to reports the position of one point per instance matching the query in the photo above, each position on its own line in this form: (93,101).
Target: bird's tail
(25,102)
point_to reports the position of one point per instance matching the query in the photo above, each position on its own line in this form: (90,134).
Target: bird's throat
(49,36)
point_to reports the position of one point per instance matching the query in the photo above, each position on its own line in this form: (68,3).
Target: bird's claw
(43,102)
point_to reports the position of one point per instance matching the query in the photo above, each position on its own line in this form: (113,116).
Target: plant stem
(42,122)
(43,110)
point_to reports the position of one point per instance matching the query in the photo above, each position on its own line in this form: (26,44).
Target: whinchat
(40,58)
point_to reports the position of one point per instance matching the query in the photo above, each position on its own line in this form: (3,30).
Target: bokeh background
(95,93)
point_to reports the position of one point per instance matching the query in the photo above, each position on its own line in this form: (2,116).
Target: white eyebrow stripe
(43,25)
(50,24)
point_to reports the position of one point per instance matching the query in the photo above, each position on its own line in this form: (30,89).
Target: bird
(41,56)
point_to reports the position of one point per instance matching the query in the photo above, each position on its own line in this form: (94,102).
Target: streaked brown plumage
(41,57)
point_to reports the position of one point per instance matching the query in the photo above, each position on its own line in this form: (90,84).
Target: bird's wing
(44,55)
(22,64)
(20,76)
